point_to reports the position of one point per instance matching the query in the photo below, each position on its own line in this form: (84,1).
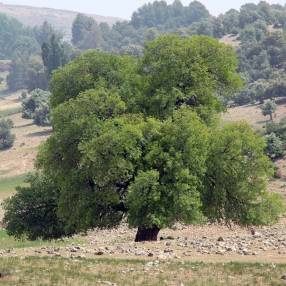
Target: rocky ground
(203,243)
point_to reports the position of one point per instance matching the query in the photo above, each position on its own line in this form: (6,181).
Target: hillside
(60,19)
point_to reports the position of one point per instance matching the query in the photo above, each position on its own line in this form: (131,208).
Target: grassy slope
(10,111)
(58,271)
(7,242)
(8,186)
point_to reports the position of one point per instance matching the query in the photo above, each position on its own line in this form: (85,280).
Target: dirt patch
(10,102)
(231,40)
(20,158)
(253,115)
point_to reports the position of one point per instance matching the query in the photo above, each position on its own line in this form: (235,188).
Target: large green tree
(113,155)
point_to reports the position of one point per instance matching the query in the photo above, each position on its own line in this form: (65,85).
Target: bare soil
(252,114)
(20,158)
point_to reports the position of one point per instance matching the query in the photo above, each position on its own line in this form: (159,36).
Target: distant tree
(6,138)
(45,32)
(92,38)
(15,39)
(54,54)
(163,16)
(269,108)
(36,75)
(17,78)
(81,25)
(27,72)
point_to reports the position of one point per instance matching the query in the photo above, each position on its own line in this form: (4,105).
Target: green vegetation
(141,139)
(275,146)
(57,271)
(15,39)
(268,108)
(275,134)
(6,137)
(54,54)
(36,106)
(31,66)
(8,242)
(257,30)
(32,212)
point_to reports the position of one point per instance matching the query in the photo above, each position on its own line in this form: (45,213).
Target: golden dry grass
(54,271)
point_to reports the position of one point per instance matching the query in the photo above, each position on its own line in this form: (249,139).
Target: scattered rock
(99,253)
(106,283)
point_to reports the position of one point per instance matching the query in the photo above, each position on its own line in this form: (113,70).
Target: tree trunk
(271,116)
(147,234)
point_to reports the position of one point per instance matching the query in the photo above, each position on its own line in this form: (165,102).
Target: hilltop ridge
(60,19)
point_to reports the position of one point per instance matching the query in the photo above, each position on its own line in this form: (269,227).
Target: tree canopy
(113,155)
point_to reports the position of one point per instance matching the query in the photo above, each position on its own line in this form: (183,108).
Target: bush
(36,107)
(275,146)
(32,212)
(42,114)
(279,129)
(269,108)
(6,138)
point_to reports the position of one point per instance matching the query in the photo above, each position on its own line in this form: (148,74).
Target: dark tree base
(147,234)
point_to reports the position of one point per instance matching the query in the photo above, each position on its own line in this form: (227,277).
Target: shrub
(32,212)
(6,138)
(36,107)
(275,146)
(269,108)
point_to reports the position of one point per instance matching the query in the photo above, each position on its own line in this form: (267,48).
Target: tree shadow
(40,133)
(281,101)
(264,122)
(24,125)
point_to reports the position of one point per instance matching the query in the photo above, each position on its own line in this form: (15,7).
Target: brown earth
(10,102)
(253,115)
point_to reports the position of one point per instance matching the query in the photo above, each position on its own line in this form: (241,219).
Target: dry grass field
(86,272)
(16,162)
(20,158)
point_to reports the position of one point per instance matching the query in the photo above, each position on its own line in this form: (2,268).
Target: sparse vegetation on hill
(256,31)
(60,19)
